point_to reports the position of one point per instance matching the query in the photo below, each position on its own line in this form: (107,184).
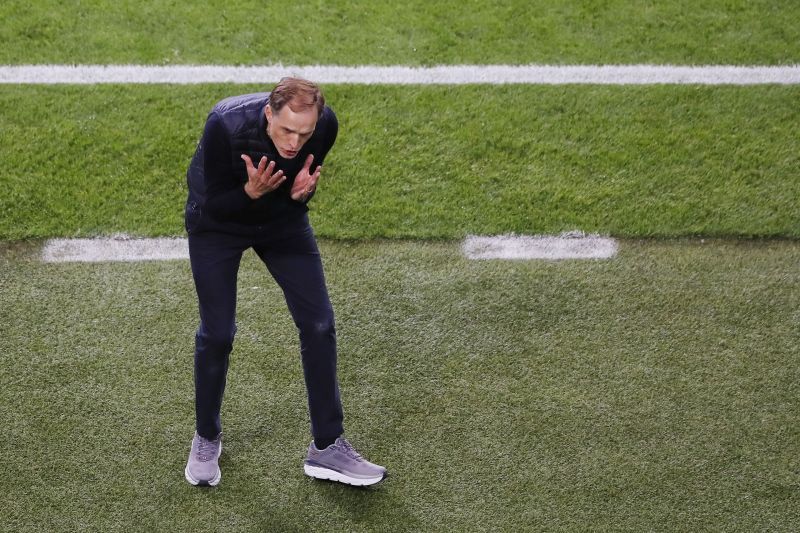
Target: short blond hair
(298,93)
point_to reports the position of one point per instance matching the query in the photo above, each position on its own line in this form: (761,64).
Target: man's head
(294,107)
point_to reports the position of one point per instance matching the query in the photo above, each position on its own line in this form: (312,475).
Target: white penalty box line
(569,245)
(122,248)
(119,248)
(405,75)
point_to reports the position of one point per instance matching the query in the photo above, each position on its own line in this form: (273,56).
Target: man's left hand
(305,183)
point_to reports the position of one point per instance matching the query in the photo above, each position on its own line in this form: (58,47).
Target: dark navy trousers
(291,255)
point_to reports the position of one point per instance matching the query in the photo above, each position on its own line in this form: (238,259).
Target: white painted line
(372,74)
(118,248)
(573,245)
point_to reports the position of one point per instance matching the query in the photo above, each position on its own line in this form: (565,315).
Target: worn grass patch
(654,391)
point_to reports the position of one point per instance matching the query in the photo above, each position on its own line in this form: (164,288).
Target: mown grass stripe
(369,74)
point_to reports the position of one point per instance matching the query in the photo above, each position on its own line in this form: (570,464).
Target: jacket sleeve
(331,132)
(225,194)
(326,143)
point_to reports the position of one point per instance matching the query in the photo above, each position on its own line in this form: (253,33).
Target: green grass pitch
(655,391)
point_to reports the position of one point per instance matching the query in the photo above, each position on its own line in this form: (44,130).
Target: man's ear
(269,113)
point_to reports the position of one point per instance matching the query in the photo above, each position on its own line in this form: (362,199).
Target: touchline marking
(372,74)
(117,248)
(572,245)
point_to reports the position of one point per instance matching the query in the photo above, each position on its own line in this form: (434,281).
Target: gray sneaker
(340,462)
(203,465)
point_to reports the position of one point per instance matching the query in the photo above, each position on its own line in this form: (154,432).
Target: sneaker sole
(210,483)
(318,472)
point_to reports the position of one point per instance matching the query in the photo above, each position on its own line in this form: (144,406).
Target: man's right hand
(261,180)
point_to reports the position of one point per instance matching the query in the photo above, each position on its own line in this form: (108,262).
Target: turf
(426,162)
(655,391)
(409,32)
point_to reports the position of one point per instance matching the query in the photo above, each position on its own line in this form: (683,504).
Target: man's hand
(261,180)
(305,183)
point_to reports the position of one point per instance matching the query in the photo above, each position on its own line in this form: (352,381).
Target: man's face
(289,131)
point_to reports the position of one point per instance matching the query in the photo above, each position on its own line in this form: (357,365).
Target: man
(254,170)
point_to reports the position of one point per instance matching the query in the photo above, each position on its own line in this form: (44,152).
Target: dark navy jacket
(217,173)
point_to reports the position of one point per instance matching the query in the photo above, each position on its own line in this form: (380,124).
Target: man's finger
(248,162)
(276,179)
(265,174)
(263,164)
(315,177)
(309,160)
